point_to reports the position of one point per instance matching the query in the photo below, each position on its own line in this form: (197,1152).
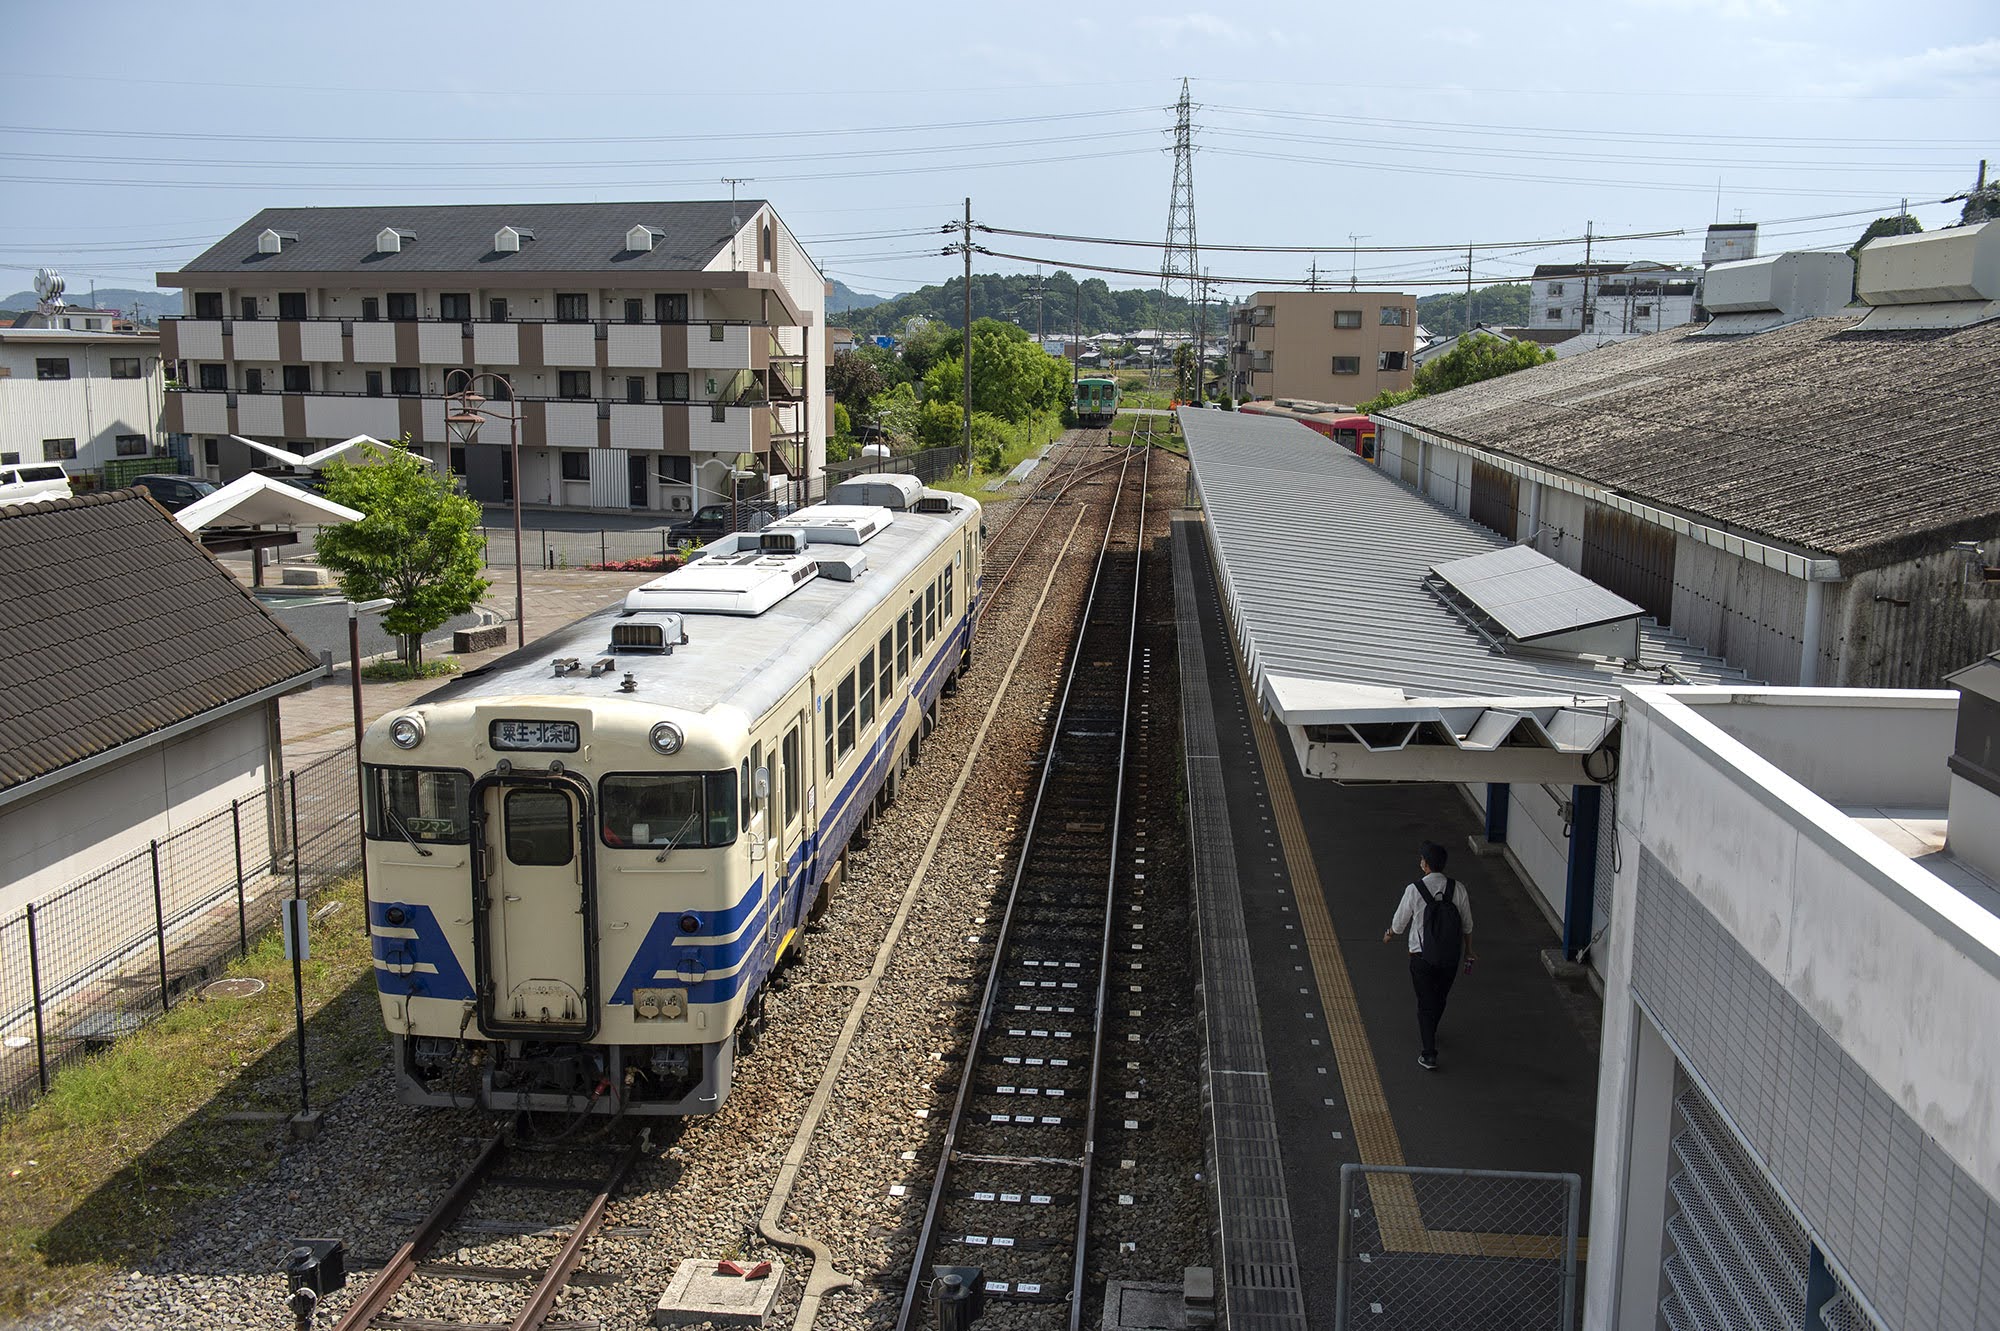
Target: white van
(33,483)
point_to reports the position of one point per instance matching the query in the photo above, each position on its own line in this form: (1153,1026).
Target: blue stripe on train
(429,948)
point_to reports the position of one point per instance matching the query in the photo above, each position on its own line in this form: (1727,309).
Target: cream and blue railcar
(586,859)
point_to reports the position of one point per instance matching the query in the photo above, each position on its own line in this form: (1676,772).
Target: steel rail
(400,1267)
(543,1300)
(926,1236)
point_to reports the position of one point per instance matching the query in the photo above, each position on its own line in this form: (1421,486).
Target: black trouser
(1432,984)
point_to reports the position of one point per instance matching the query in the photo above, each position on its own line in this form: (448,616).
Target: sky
(1348,129)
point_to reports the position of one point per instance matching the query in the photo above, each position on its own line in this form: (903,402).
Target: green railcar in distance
(1096,400)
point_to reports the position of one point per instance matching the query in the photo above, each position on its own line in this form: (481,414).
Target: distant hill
(1503,306)
(1089,306)
(845,298)
(147,305)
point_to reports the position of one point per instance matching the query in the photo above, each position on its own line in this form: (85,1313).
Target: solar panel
(1532,596)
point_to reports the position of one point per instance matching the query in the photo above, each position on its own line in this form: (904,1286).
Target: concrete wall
(1303,342)
(1818,986)
(50,840)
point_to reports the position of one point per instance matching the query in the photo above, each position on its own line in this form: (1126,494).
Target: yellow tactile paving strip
(1396,1210)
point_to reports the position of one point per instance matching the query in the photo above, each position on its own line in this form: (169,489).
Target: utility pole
(1075,340)
(735,222)
(1312,278)
(966,233)
(1468,288)
(1353,260)
(1201,342)
(1583,322)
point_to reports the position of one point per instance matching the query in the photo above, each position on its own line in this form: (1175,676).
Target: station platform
(1311,1019)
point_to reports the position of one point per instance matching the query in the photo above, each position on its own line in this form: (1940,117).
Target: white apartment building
(81,397)
(657,354)
(1612,299)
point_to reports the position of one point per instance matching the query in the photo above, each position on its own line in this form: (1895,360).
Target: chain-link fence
(110,952)
(1426,1248)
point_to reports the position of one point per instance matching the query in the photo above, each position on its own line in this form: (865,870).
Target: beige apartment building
(1322,346)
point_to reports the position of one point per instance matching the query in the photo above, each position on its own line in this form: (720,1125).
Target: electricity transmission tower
(1180,262)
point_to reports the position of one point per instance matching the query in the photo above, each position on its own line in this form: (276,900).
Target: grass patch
(395,672)
(100,1172)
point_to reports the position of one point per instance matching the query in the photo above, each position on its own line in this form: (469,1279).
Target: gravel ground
(703,1183)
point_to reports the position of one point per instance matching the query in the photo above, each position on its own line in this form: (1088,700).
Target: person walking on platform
(1437,918)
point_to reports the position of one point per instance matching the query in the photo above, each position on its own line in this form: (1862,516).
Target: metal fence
(1425,1248)
(114,950)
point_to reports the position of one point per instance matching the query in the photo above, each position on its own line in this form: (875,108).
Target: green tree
(854,379)
(1185,373)
(418,542)
(898,413)
(1012,377)
(1477,357)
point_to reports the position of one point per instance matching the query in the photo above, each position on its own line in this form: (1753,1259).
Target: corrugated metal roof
(569,237)
(1866,446)
(1325,558)
(115,624)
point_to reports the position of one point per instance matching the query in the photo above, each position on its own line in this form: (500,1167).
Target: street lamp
(355,610)
(468,413)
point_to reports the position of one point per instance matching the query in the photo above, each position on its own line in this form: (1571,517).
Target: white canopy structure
(314,461)
(253,500)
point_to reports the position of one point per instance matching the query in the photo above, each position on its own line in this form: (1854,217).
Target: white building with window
(81,397)
(657,353)
(1612,299)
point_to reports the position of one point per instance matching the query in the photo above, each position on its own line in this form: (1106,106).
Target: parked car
(713,520)
(173,493)
(33,483)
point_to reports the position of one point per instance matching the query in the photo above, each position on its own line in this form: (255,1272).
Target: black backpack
(1444,931)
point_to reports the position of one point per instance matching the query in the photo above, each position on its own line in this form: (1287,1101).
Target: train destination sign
(542,736)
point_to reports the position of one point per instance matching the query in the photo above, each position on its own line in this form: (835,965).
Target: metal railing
(116,949)
(1424,1247)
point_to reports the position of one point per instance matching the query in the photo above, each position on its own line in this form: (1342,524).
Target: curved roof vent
(1935,279)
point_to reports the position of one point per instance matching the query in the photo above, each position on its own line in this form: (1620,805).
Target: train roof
(755,620)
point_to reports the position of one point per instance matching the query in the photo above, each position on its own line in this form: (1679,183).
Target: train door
(788,787)
(766,848)
(535,915)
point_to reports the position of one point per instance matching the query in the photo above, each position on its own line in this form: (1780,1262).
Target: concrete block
(1131,1305)
(304,1125)
(697,1294)
(479,639)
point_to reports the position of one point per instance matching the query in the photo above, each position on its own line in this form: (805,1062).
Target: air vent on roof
(273,242)
(781,542)
(507,240)
(391,239)
(641,238)
(1752,295)
(891,490)
(748,583)
(934,503)
(1517,597)
(655,633)
(835,524)
(1938,279)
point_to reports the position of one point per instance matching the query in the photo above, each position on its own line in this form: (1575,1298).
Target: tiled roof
(1870,447)
(114,624)
(569,237)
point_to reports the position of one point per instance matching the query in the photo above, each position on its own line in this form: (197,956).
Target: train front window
(419,804)
(538,827)
(655,810)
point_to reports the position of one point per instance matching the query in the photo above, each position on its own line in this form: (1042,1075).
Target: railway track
(512,1186)
(1080,460)
(1011,1192)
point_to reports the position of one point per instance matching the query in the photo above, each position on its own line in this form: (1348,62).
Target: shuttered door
(1496,498)
(1633,558)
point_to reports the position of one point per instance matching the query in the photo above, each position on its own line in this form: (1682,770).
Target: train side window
(867,687)
(844,714)
(826,725)
(947,593)
(902,647)
(930,612)
(744,793)
(538,827)
(721,805)
(750,777)
(794,756)
(885,656)
(419,804)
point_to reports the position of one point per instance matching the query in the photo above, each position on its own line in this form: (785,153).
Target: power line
(1322,249)
(1218,281)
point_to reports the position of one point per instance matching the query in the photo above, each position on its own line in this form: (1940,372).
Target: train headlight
(666,738)
(406,732)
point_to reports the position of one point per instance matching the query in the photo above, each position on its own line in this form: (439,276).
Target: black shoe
(1428,1062)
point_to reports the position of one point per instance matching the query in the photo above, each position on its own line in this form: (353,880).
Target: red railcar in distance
(1354,433)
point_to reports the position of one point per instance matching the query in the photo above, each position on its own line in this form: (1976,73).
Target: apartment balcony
(527,344)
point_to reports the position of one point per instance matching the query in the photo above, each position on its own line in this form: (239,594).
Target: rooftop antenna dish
(49,288)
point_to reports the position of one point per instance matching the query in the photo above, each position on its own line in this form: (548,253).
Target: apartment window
(1555,314)
(455,305)
(1555,288)
(715,332)
(51,367)
(58,450)
(670,309)
(208,304)
(1642,311)
(247,307)
(131,445)
(576,466)
(253,379)
(1347,364)
(1347,318)
(291,304)
(717,414)
(124,367)
(635,388)
(498,388)
(675,470)
(457,460)
(1392,361)
(10,459)
(1395,316)
(211,452)
(867,687)
(215,378)
(671,387)
(371,309)
(496,310)
(573,383)
(635,310)
(573,307)
(406,381)
(767,251)
(374,381)
(402,304)
(298,379)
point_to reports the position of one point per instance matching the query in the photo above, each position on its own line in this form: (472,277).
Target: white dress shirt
(1410,911)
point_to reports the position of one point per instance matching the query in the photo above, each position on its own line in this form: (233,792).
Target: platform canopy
(1398,641)
(259,501)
